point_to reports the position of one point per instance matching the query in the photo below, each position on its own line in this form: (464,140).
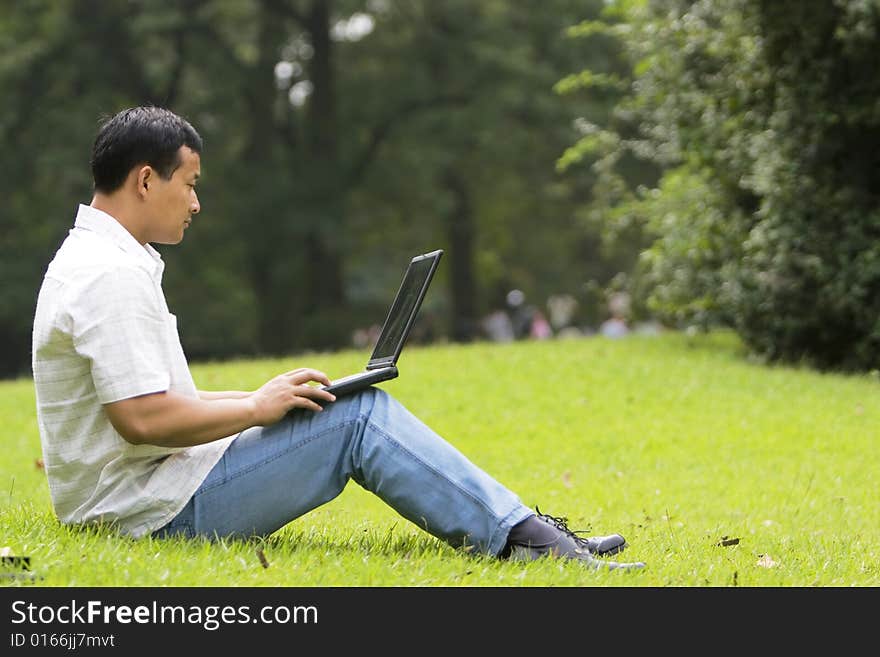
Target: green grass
(678,443)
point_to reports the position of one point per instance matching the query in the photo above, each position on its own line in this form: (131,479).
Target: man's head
(145,163)
(140,135)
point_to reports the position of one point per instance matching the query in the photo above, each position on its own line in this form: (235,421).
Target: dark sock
(530,532)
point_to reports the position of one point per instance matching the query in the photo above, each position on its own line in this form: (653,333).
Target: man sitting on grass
(128,439)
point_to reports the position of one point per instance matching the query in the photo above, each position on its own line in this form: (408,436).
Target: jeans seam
(451,481)
(248,470)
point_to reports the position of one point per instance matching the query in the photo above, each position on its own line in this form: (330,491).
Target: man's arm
(169,419)
(223,394)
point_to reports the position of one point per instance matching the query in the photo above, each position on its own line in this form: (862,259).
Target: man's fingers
(314,392)
(305,374)
(308,404)
(308,399)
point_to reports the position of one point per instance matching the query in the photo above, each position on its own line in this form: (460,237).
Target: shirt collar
(105,225)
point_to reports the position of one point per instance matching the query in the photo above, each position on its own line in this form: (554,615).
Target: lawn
(720,472)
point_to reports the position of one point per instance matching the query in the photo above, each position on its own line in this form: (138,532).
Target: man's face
(173,202)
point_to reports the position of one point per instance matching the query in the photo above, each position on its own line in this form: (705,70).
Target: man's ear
(144,177)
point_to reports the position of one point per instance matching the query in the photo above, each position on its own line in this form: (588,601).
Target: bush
(767,218)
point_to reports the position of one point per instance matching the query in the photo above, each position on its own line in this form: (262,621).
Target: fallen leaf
(566,479)
(766,561)
(39,464)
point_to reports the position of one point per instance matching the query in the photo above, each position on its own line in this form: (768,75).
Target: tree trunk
(264,227)
(461,231)
(325,300)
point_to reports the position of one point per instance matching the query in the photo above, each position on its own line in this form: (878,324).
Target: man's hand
(173,420)
(275,398)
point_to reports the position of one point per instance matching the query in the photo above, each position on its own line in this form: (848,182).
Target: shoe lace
(561,523)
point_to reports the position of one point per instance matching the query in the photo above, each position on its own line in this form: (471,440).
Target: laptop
(382,364)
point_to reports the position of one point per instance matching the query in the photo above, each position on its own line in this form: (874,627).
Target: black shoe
(598,545)
(567,545)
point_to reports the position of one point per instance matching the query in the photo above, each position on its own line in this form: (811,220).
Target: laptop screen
(403,311)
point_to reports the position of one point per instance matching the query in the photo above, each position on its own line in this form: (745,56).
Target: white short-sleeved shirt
(102,332)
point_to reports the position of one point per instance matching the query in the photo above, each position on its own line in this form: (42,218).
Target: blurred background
(589,167)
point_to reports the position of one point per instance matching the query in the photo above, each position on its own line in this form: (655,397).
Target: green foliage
(683,276)
(719,472)
(437,129)
(764,116)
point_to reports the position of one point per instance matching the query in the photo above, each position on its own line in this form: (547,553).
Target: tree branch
(384,128)
(287,10)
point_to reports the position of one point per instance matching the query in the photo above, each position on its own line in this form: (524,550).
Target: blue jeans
(271,475)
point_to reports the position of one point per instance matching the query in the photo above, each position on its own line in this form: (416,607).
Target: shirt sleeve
(121,326)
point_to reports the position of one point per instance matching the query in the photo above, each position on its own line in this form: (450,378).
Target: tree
(762,115)
(328,125)
(478,176)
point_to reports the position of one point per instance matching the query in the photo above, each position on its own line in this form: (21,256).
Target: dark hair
(149,135)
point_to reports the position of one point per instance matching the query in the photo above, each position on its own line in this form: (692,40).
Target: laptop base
(348,384)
